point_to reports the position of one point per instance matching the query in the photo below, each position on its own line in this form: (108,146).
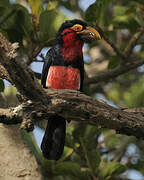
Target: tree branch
(102,33)
(35,53)
(73,105)
(133,41)
(112,74)
(4,74)
(8,116)
(125,66)
(19,72)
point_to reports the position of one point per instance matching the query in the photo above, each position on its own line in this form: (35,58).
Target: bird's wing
(46,66)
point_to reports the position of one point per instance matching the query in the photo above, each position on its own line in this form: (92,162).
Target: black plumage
(54,139)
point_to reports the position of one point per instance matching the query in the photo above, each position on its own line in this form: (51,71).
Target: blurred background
(90,152)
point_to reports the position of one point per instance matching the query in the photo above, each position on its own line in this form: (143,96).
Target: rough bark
(16,159)
(73,105)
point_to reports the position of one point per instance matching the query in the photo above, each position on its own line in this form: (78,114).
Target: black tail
(54,138)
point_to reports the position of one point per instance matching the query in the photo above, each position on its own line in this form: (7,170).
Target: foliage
(112,169)
(90,152)
(54,19)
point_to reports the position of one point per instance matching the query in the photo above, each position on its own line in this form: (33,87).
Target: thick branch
(73,105)
(19,72)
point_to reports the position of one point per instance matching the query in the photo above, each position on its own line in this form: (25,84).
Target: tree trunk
(16,160)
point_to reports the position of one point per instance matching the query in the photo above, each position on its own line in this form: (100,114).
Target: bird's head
(73,30)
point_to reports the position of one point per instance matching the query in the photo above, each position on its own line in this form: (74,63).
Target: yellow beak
(89,34)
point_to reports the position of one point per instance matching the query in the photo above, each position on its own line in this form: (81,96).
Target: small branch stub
(9,49)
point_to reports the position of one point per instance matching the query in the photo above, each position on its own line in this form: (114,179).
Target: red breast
(61,77)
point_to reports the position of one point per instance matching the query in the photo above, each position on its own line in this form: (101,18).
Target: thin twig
(38,50)
(38,60)
(102,33)
(35,53)
(133,41)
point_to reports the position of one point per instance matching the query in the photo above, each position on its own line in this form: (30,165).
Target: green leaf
(85,136)
(96,11)
(68,169)
(139,18)
(91,136)
(122,19)
(67,152)
(4,2)
(69,140)
(2,86)
(114,62)
(78,132)
(36,8)
(49,23)
(92,12)
(19,23)
(47,166)
(51,5)
(91,132)
(130,11)
(120,10)
(92,156)
(76,157)
(112,169)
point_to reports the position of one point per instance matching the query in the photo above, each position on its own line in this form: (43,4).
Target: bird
(64,69)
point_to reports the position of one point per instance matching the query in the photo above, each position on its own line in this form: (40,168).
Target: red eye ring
(78,28)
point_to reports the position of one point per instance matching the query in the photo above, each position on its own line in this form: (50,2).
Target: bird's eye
(77,27)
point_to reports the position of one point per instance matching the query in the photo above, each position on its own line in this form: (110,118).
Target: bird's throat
(73,51)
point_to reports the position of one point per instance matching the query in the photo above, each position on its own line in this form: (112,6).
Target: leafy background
(90,152)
